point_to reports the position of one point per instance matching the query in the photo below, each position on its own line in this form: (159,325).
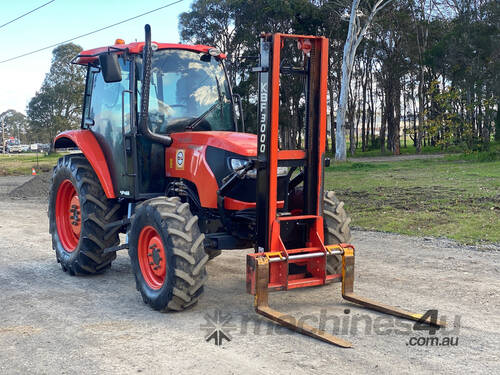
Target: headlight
(237,164)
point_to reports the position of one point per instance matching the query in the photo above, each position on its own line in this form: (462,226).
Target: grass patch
(456,152)
(492,154)
(359,166)
(21,164)
(409,150)
(454,198)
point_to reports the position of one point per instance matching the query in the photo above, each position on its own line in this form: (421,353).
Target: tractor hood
(239,143)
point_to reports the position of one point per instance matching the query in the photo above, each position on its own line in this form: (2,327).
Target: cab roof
(91,55)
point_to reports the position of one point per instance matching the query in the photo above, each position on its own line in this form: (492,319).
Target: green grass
(492,154)
(21,164)
(410,150)
(456,152)
(458,199)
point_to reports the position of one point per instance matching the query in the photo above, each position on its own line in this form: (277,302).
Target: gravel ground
(53,323)
(36,186)
(7,184)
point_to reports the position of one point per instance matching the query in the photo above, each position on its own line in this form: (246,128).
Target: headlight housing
(237,164)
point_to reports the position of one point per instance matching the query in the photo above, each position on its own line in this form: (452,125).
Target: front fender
(88,145)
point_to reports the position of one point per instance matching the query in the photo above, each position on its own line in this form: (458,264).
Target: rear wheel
(167,254)
(336,226)
(78,212)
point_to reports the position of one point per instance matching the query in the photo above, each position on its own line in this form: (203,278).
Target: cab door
(107,115)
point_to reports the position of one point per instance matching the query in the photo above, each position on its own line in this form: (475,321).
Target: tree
(355,34)
(13,124)
(415,43)
(211,22)
(57,106)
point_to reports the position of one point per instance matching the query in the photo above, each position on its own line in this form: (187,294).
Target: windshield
(188,91)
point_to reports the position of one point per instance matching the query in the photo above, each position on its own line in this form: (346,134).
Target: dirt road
(53,323)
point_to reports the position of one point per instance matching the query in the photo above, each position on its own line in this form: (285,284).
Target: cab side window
(106,102)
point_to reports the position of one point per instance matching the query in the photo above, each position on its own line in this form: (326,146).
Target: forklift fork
(261,301)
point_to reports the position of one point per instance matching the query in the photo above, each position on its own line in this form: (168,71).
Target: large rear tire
(167,254)
(78,212)
(336,226)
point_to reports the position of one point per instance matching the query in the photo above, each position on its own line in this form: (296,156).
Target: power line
(92,32)
(25,14)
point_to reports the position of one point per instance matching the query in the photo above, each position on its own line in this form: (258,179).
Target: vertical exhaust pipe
(146,82)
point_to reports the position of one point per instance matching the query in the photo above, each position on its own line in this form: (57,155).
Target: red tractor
(165,160)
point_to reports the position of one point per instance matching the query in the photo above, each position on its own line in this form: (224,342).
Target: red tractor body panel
(87,143)
(91,55)
(186,159)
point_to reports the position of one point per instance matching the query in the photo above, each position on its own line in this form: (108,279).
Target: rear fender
(88,145)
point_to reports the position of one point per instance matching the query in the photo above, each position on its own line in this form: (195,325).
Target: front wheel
(167,254)
(78,214)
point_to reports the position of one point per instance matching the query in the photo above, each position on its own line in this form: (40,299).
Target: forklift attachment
(258,283)
(262,307)
(290,241)
(348,292)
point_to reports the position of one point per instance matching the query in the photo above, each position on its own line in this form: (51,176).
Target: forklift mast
(269,156)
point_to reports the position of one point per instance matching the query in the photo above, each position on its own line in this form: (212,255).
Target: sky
(65,19)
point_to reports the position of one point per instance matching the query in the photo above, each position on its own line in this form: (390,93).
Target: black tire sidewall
(149,216)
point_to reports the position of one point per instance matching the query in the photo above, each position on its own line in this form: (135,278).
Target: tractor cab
(188,91)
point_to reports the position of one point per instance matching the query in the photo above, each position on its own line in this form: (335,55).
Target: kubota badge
(179,159)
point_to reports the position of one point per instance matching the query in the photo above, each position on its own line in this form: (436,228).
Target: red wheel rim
(152,259)
(68,216)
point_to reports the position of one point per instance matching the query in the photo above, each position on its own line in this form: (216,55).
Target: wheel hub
(74,215)
(152,260)
(155,254)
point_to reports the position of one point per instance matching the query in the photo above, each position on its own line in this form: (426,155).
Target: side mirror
(111,71)
(88,122)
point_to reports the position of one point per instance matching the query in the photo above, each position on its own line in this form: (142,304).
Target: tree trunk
(373,113)
(414,120)
(363,121)
(347,63)
(497,124)
(405,130)
(420,129)
(382,126)
(332,126)
(340,150)
(397,118)
(389,112)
